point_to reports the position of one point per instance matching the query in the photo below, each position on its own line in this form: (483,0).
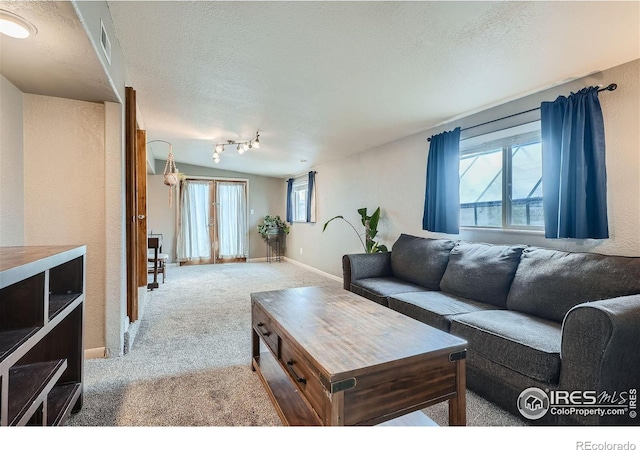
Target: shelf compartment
(29,386)
(61,400)
(10,340)
(291,407)
(18,309)
(57,303)
(67,278)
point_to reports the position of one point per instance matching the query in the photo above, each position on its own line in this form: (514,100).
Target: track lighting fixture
(241,146)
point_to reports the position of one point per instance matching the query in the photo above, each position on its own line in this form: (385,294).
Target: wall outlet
(252,211)
(301,250)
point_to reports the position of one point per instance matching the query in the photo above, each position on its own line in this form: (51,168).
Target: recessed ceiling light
(15,26)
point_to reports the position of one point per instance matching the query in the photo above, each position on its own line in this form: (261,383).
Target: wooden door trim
(213,221)
(131,210)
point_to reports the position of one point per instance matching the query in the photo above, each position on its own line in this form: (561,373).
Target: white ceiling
(59,60)
(323,80)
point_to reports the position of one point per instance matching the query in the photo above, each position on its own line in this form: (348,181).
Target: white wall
(264,197)
(64,190)
(11,165)
(393,177)
(161,218)
(116,322)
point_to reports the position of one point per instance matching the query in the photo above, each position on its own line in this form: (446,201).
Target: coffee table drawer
(303,375)
(263,326)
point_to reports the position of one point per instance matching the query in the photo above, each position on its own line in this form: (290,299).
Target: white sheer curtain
(232,219)
(194,242)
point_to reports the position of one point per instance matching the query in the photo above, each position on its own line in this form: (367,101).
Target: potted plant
(272,226)
(370,230)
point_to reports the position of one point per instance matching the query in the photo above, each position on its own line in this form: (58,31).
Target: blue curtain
(573,167)
(310,188)
(442,197)
(289,209)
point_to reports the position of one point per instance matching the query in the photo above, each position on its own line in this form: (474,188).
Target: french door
(213,221)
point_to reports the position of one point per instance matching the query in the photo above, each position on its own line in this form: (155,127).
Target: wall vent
(105,43)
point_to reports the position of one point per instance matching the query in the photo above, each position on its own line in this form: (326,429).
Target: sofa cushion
(548,283)
(379,288)
(434,308)
(520,342)
(481,272)
(420,260)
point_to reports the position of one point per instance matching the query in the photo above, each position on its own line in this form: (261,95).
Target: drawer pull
(293,372)
(264,333)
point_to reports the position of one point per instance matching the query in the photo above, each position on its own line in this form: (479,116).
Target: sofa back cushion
(548,283)
(481,272)
(420,260)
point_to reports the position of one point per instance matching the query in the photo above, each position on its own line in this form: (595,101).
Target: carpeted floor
(190,362)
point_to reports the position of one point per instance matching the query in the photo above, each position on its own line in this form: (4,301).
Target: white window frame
(299,211)
(505,139)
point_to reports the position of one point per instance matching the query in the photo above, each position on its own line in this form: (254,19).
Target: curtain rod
(611,87)
(302,174)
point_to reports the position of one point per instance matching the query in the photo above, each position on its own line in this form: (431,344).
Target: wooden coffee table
(330,357)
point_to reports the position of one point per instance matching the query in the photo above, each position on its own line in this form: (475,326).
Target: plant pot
(273,233)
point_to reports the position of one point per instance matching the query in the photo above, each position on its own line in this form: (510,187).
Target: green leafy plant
(272,225)
(370,224)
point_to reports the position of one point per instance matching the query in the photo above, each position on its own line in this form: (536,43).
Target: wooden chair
(156,260)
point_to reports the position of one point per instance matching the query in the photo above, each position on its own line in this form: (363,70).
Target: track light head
(241,146)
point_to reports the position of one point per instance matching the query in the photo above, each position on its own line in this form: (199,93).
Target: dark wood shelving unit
(42,293)
(61,399)
(57,303)
(12,339)
(30,385)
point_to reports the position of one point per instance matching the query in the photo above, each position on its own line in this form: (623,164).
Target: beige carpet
(190,362)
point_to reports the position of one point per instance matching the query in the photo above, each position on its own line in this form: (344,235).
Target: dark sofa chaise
(532,317)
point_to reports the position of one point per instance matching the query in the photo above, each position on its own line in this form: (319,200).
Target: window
(501,179)
(299,200)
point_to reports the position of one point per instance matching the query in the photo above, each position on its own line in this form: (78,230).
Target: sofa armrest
(599,352)
(365,265)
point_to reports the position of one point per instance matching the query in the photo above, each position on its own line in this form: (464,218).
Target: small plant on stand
(271,226)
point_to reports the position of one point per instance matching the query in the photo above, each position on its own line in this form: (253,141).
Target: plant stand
(274,250)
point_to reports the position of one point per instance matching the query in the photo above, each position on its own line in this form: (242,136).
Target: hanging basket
(170,174)
(171,179)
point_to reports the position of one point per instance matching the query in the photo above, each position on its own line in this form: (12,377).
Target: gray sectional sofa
(532,317)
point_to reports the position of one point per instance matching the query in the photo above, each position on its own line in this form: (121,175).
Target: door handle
(140,216)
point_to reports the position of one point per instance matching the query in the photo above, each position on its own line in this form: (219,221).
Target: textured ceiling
(318,80)
(59,60)
(321,80)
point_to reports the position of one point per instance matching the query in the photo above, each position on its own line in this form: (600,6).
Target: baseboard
(95,353)
(257,259)
(313,269)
